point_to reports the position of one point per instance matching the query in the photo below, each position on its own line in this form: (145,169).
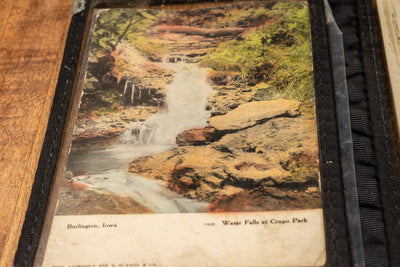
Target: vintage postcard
(195,142)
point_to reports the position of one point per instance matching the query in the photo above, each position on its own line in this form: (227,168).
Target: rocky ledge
(104,131)
(260,156)
(78,199)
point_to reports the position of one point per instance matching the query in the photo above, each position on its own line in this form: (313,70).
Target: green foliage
(113,27)
(116,25)
(296,18)
(265,91)
(281,50)
(238,14)
(111,100)
(90,83)
(100,111)
(111,95)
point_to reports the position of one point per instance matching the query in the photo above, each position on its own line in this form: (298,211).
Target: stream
(106,170)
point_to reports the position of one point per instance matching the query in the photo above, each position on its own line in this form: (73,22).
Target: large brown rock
(197,136)
(279,153)
(288,146)
(252,113)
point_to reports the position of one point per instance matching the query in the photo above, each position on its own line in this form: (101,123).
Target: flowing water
(186,108)
(107,169)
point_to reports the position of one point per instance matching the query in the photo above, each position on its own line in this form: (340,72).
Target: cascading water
(186,109)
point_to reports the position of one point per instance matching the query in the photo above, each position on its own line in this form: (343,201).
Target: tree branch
(125,32)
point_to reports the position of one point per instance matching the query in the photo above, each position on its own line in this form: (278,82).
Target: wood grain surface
(389,16)
(32,38)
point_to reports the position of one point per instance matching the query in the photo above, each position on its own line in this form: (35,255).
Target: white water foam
(186,109)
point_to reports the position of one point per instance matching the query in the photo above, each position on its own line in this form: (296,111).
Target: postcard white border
(281,238)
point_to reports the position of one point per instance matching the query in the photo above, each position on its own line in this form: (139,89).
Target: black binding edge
(51,147)
(337,244)
(338,62)
(378,184)
(387,173)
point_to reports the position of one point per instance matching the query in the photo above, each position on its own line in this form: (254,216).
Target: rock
(229,190)
(106,131)
(196,171)
(155,58)
(265,199)
(277,154)
(312,190)
(68,175)
(78,173)
(98,139)
(182,179)
(288,147)
(220,78)
(226,98)
(252,113)
(197,136)
(74,185)
(88,201)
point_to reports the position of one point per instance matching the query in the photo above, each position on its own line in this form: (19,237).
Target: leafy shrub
(278,55)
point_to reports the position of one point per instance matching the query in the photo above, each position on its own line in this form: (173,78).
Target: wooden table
(32,38)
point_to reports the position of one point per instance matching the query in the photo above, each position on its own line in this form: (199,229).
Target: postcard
(194,142)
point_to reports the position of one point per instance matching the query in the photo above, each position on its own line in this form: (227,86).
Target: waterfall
(186,108)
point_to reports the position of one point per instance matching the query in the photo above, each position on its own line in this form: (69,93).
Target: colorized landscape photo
(200,110)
